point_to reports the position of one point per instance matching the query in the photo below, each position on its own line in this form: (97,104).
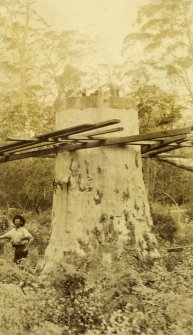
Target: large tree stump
(100,205)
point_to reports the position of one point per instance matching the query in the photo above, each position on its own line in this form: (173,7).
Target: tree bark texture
(100,206)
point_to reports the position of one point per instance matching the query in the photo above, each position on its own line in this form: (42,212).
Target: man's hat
(21,218)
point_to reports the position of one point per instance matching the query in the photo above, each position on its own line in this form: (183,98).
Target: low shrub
(164,226)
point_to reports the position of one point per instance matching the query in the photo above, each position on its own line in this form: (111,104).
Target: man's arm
(4,236)
(27,242)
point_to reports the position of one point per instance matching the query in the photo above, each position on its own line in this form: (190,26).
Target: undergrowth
(124,298)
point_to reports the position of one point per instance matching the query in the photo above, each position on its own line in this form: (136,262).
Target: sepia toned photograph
(96,162)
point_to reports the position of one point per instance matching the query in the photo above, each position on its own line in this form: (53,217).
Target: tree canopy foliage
(157,69)
(37,65)
(165,36)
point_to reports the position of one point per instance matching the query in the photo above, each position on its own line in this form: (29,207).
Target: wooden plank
(93,138)
(159,151)
(35,153)
(181,165)
(160,135)
(184,144)
(98,143)
(100,132)
(147,142)
(61,148)
(54,135)
(20,139)
(110,141)
(143,137)
(126,140)
(78,129)
(21,146)
(14,145)
(163,144)
(65,132)
(36,145)
(68,142)
(171,156)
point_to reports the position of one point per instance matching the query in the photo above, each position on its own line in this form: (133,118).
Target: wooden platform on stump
(85,136)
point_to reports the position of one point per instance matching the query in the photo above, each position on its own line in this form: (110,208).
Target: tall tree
(36,64)
(158,55)
(164,34)
(22,27)
(157,109)
(64,56)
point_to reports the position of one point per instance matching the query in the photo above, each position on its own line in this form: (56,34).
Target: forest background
(38,66)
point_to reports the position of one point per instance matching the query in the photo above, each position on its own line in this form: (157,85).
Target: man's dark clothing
(19,253)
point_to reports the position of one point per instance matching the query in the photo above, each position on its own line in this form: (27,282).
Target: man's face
(17,223)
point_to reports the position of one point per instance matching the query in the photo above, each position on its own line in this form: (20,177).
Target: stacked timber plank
(87,136)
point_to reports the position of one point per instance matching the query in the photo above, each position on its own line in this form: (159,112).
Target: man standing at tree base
(19,237)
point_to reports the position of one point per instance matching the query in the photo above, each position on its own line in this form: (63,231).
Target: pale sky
(110,20)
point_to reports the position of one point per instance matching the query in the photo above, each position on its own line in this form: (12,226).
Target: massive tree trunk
(100,205)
